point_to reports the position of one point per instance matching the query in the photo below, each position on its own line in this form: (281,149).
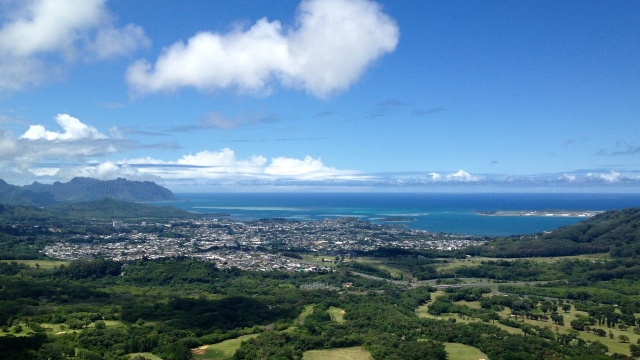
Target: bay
(437,212)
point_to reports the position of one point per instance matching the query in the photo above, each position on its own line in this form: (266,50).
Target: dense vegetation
(555,308)
(103,208)
(106,310)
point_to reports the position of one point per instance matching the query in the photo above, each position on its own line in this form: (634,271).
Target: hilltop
(82,189)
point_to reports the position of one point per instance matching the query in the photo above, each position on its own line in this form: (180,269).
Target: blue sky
(323,95)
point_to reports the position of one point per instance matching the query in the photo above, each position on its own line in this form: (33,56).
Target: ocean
(437,212)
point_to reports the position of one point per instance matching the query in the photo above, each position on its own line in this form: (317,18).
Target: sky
(323,95)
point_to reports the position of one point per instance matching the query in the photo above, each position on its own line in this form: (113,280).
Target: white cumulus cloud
(224,164)
(223,161)
(39,38)
(462,175)
(73,128)
(568,177)
(331,44)
(48,25)
(38,150)
(307,168)
(611,177)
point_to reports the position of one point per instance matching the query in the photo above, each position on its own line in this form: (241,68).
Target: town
(263,245)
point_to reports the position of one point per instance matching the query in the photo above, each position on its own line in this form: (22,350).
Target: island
(555,213)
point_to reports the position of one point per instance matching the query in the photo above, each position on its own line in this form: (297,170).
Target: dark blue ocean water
(452,213)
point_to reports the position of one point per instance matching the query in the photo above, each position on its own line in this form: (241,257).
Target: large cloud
(77,142)
(73,128)
(38,38)
(224,164)
(331,44)
(223,161)
(307,168)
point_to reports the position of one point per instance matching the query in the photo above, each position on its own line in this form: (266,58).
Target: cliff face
(83,189)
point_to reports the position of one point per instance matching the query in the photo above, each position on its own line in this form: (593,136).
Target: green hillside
(109,209)
(616,231)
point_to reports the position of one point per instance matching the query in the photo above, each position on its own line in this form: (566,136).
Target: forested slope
(104,208)
(616,231)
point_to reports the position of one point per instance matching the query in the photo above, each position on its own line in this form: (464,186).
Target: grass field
(221,350)
(12,330)
(44,264)
(149,356)
(52,329)
(337,314)
(308,310)
(422,311)
(353,353)
(317,260)
(396,271)
(457,351)
(614,344)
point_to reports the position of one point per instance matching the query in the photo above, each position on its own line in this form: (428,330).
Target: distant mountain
(81,189)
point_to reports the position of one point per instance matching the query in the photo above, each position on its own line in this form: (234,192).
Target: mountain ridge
(82,189)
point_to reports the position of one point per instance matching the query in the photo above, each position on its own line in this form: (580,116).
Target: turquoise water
(452,213)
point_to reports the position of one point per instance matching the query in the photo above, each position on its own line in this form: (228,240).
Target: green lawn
(56,329)
(59,329)
(44,264)
(149,356)
(221,350)
(308,310)
(471,304)
(396,271)
(353,353)
(317,260)
(337,314)
(457,351)
(23,332)
(422,311)
(109,323)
